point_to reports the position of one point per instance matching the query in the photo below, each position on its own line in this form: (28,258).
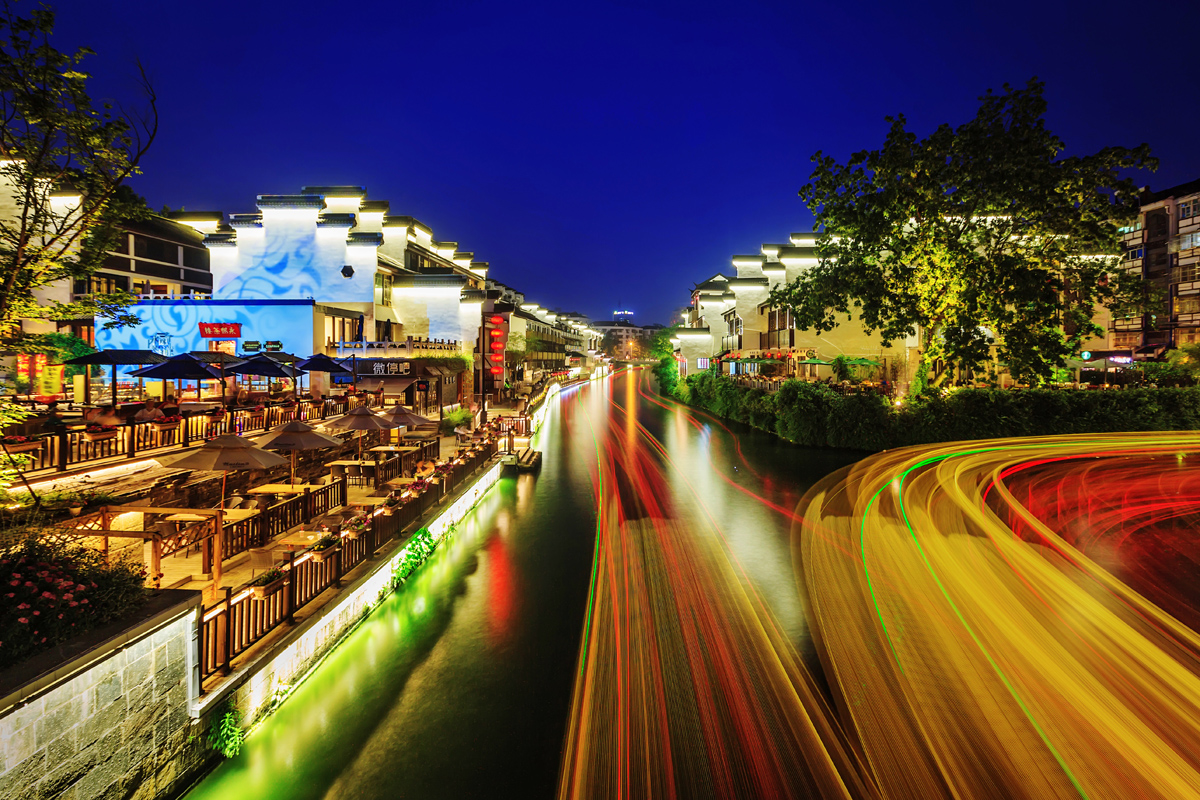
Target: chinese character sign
(231,330)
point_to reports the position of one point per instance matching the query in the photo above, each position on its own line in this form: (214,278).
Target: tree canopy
(64,160)
(977,235)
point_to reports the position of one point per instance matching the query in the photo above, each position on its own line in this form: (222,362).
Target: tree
(976,236)
(65,162)
(610,345)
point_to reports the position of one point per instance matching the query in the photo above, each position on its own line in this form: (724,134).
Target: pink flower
(11,594)
(23,620)
(84,601)
(79,587)
(48,595)
(67,596)
(73,604)
(23,606)
(14,583)
(36,613)
(60,616)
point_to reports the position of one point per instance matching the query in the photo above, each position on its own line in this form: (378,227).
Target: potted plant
(20,444)
(167,423)
(324,548)
(355,527)
(98,433)
(268,583)
(75,506)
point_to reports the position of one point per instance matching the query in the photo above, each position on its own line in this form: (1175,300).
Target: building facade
(325,270)
(1163,247)
(731,322)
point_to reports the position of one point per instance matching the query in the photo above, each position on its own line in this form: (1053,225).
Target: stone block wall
(119,728)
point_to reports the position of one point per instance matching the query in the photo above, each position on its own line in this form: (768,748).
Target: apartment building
(1163,246)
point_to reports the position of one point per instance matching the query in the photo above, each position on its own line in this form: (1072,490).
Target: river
(460,684)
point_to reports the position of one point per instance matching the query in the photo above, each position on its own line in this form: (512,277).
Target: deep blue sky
(597,153)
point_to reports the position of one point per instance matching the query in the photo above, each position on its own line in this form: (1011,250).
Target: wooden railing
(70,449)
(520,425)
(240,619)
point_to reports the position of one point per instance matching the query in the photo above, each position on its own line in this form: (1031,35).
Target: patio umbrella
(268,367)
(296,436)
(402,416)
(814,361)
(862,362)
(117,358)
(225,453)
(361,419)
(219,359)
(320,362)
(184,367)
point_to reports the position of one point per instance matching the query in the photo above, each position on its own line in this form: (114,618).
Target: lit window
(701,363)
(1185,210)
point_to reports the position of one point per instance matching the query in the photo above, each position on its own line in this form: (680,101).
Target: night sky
(599,154)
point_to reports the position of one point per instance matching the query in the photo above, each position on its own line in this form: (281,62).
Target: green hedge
(815,415)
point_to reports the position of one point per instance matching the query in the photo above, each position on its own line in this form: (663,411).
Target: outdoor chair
(337,471)
(354,473)
(462,435)
(261,558)
(368,473)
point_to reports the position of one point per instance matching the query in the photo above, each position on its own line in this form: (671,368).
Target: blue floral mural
(173,327)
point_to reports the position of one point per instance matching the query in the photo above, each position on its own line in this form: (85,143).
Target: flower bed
(98,433)
(171,421)
(324,548)
(51,591)
(20,444)
(268,583)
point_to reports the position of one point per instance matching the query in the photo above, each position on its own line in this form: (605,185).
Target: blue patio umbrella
(322,363)
(183,367)
(267,367)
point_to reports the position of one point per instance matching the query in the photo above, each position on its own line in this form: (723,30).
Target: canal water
(459,685)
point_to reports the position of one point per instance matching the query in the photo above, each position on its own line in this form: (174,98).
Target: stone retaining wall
(112,722)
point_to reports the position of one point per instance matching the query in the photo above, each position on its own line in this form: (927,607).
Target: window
(1187,336)
(155,249)
(1136,253)
(1189,304)
(1185,210)
(1123,340)
(1187,272)
(701,363)
(383,289)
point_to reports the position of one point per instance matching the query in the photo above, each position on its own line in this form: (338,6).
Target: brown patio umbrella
(361,418)
(296,436)
(225,452)
(402,416)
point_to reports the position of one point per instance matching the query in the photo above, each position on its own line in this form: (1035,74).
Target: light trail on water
(981,615)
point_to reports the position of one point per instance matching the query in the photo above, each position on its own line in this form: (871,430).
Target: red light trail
(989,617)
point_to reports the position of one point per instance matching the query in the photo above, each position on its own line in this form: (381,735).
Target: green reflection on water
(300,751)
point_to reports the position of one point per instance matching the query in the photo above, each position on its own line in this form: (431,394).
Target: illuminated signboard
(251,347)
(422,386)
(273,346)
(383,367)
(214,330)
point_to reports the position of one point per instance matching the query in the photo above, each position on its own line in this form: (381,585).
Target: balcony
(411,347)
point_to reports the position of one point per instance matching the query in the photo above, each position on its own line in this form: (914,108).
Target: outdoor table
(418,435)
(383,450)
(285,488)
(297,540)
(399,483)
(231,515)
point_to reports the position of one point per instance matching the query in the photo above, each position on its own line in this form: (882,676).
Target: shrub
(453,419)
(53,590)
(814,415)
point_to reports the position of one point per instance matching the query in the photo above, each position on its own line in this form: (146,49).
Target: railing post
(225,668)
(337,562)
(308,503)
(291,584)
(64,450)
(185,437)
(131,440)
